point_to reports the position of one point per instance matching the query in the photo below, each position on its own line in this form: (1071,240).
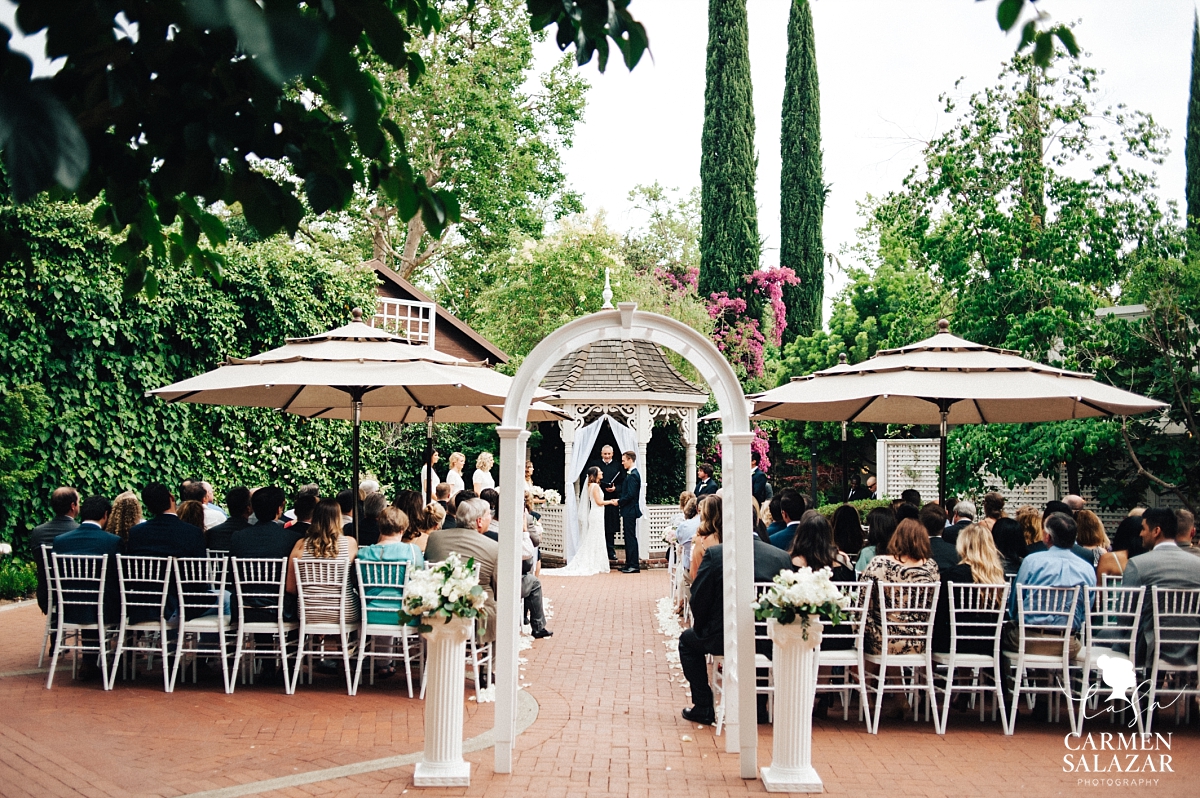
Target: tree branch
(1141,470)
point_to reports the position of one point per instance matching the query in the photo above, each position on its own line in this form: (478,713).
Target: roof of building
(448,325)
(616,366)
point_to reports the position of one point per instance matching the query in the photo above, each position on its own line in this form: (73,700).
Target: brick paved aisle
(608,725)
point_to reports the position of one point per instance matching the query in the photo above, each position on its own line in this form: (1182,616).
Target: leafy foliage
(23,414)
(18,578)
(729,244)
(802,188)
(863,506)
(1191,146)
(64,326)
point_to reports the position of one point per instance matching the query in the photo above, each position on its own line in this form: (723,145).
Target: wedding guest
(368,527)
(791,507)
(1126,544)
(776,524)
(907,560)
(993,509)
(347,499)
(454,476)
(905,511)
(1074,503)
(705,485)
(1010,542)
(686,532)
(708,533)
(760,486)
(1030,520)
(1163,564)
(310,490)
(164,535)
(65,504)
(302,511)
(847,534)
(431,517)
(881,523)
(482,479)
(911,496)
(325,541)
(964,516)
(684,498)
(89,538)
(220,537)
(1186,522)
(267,537)
(1091,534)
(1058,566)
(933,518)
(196,490)
(125,515)
(979,563)
(395,545)
(192,512)
(468,540)
(813,547)
(441,495)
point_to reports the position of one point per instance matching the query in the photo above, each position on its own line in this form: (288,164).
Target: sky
(882,66)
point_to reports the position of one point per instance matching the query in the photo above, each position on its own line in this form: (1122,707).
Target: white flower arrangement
(552,496)
(449,589)
(802,593)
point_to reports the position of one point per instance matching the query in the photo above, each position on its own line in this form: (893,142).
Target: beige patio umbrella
(947,380)
(354,372)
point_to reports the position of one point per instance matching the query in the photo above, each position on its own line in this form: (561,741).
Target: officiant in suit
(630,505)
(611,479)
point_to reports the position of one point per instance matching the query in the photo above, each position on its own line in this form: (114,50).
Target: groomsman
(630,505)
(705,485)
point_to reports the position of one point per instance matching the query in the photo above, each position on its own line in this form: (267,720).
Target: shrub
(18,578)
(863,506)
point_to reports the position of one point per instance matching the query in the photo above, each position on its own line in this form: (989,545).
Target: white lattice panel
(1035,494)
(911,463)
(554,529)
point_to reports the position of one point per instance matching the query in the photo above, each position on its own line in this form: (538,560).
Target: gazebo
(631,384)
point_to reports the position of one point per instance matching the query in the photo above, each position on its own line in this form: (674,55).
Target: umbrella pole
(942,470)
(357,463)
(812,459)
(845,476)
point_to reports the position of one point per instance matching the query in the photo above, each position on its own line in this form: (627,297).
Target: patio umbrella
(947,380)
(355,370)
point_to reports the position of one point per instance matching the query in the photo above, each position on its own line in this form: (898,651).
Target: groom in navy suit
(630,505)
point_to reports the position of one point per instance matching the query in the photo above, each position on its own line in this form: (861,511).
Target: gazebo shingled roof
(613,366)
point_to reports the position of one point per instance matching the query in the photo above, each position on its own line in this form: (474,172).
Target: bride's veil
(585,505)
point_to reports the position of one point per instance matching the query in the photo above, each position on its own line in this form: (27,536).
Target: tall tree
(801,182)
(1191,147)
(729,245)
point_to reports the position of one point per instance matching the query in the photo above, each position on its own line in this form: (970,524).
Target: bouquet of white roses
(802,592)
(552,496)
(449,589)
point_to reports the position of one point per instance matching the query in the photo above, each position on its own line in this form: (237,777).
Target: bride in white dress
(591,556)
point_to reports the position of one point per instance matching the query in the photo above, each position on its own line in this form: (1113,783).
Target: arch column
(643,425)
(691,424)
(508,579)
(741,708)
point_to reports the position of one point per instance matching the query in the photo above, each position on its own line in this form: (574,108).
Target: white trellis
(628,324)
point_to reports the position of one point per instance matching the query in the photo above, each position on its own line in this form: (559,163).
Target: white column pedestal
(794,667)
(442,764)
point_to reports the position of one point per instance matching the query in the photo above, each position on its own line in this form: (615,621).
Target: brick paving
(608,725)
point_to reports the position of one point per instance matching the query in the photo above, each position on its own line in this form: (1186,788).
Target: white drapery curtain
(585,440)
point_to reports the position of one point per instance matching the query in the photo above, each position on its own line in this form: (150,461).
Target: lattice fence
(913,463)
(658,520)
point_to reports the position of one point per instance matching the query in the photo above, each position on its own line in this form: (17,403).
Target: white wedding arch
(627,323)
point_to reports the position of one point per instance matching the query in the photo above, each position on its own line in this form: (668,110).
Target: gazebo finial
(842,359)
(356,315)
(943,326)
(607,293)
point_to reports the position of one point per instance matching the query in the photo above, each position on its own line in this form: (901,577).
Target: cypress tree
(1192,144)
(729,245)
(801,184)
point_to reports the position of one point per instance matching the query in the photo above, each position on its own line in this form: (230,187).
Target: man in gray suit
(1166,565)
(65,503)
(473,517)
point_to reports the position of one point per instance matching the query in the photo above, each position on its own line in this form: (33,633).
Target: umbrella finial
(842,359)
(943,326)
(356,315)
(607,293)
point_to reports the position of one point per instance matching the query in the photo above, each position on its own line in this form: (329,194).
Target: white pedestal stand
(442,764)
(794,667)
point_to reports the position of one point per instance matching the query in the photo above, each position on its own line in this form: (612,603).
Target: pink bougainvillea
(771,282)
(738,337)
(762,445)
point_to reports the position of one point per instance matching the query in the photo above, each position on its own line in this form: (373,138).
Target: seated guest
(1091,534)
(1074,504)
(933,518)
(686,531)
(441,495)
(907,560)
(324,541)
(531,586)
(193,490)
(1057,566)
(430,518)
(776,522)
(410,503)
(302,510)
(1052,507)
(1164,565)
(1126,544)
(220,537)
(65,504)
(911,496)
(847,534)
(791,507)
(268,538)
(707,633)
(468,539)
(993,509)
(126,513)
(964,515)
(905,511)
(1186,523)
(492,497)
(979,563)
(164,535)
(1010,542)
(708,534)
(90,538)
(346,499)
(311,489)
(881,523)
(213,515)
(813,547)
(677,519)
(368,529)
(395,545)
(1031,524)
(191,512)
